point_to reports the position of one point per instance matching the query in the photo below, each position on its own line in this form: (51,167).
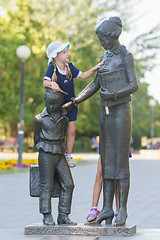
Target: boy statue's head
(53,100)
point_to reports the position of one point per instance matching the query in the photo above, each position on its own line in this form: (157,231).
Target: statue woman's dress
(115,127)
(116,75)
(117,81)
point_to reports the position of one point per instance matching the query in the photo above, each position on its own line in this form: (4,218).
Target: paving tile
(18,209)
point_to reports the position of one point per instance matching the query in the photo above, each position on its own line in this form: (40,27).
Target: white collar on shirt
(61,71)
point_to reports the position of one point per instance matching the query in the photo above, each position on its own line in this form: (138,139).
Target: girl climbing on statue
(60,76)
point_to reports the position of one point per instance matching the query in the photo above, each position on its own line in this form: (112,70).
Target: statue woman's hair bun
(116,20)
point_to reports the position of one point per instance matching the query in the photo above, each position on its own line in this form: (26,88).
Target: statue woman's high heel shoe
(121,218)
(106,215)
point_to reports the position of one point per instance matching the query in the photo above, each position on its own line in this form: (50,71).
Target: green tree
(37,23)
(19,26)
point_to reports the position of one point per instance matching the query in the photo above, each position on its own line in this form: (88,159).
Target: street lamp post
(152,103)
(23,52)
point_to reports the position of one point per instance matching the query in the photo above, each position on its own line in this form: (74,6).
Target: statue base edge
(84,230)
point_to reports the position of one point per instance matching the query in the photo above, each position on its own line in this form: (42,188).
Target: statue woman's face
(106,41)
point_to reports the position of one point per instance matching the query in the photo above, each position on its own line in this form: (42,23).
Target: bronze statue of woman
(117,81)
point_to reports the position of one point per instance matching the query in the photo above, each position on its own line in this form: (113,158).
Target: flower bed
(12,164)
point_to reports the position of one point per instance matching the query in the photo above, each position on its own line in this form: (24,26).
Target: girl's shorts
(72,115)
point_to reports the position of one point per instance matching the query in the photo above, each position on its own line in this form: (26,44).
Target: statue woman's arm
(89,90)
(131,78)
(86,93)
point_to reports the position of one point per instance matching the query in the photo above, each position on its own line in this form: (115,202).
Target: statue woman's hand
(69,105)
(105,94)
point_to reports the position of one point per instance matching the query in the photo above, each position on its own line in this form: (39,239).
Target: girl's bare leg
(97,191)
(71,132)
(116,197)
(97,185)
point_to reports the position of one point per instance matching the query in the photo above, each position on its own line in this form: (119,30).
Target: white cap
(54,48)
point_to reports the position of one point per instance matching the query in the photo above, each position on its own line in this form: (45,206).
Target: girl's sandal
(92,215)
(115,217)
(116,214)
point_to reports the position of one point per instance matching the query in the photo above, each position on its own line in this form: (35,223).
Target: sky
(151,17)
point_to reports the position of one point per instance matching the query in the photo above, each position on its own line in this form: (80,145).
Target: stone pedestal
(40,229)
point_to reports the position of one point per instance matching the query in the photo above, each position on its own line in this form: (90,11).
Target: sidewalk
(18,209)
(140,155)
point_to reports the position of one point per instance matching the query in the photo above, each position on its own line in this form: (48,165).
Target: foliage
(83,144)
(37,23)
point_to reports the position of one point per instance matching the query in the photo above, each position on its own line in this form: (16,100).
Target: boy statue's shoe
(48,219)
(63,219)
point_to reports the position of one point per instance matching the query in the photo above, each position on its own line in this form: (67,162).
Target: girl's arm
(90,72)
(53,85)
(47,80)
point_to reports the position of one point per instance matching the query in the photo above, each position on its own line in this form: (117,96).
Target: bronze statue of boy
(49,138)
